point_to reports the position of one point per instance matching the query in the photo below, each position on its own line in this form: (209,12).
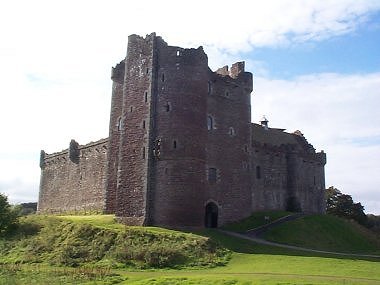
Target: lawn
(250,263)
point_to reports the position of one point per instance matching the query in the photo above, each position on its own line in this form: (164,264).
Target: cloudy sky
(316,66)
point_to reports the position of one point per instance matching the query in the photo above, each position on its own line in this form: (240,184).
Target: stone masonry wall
(228,141)
(74,184)
(269,178)
(115,127)
(180,113)
(134,148)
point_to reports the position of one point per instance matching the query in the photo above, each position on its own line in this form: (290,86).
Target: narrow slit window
(210,123)
(258,172)
(167,107)
(119,124)
(163,77)
(146,96)
(143,152)
(231,131)
(143,124)
(174,144)
(147,70)
(178,53)
(131,109)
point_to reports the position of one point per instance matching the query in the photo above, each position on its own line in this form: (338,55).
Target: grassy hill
(100,241)
(326,232)
(97,250)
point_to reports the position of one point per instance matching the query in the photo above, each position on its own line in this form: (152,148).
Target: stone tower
(157,139)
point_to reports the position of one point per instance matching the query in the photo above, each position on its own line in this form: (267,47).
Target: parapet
(236,69)
(74,152)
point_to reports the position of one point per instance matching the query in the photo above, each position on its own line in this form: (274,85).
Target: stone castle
(182,150)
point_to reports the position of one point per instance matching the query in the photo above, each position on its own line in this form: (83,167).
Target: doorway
(211,216)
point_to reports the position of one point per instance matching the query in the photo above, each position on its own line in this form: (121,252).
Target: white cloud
(56,58)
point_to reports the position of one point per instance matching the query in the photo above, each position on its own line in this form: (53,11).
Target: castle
(182,150)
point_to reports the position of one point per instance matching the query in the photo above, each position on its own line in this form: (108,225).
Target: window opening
(143,124)
(146,96)
(131,109)
(258,172)
(178,53)
(212,175)
(210,123)
(163,77)
(231,131)
(227,94)
(143,152)
(174,144)
(119,124)
(167,106)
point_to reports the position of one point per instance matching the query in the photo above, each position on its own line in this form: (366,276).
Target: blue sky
(356,52)
(316,67)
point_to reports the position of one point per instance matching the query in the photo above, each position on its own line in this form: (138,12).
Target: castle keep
(182,150)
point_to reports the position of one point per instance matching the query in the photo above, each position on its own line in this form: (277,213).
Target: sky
(316,67)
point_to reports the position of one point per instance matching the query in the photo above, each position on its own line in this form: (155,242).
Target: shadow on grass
(249,247)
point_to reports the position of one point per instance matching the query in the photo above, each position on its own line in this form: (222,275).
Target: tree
(342,205)
(8,215)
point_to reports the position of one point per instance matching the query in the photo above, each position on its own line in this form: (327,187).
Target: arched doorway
(211,215)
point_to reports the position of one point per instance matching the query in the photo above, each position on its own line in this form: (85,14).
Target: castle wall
(309,182)
(180,128)
(228,141)
(74,182)
(269,178)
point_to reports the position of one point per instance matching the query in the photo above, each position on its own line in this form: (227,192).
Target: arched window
(231,131)
(120,124)
(210,123)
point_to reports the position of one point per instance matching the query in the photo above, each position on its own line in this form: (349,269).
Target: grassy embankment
(250,263)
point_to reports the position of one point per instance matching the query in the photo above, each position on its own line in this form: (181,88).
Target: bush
(8,215)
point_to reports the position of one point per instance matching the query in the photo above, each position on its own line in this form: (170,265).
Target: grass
(326,232)
(256,220)
(250,263)
(76,242)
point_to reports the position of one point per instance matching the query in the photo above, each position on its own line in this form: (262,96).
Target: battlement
(64,155)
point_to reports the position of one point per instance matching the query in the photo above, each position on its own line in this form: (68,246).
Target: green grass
(256,220)
(325,232)
(76,242)
(250,263)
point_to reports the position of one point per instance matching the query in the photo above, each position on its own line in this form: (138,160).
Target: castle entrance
(211,216)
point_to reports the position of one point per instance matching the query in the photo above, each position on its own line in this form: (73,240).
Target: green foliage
(342,205)
(8,215)
(256,220)
(60,242)
(325,232)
